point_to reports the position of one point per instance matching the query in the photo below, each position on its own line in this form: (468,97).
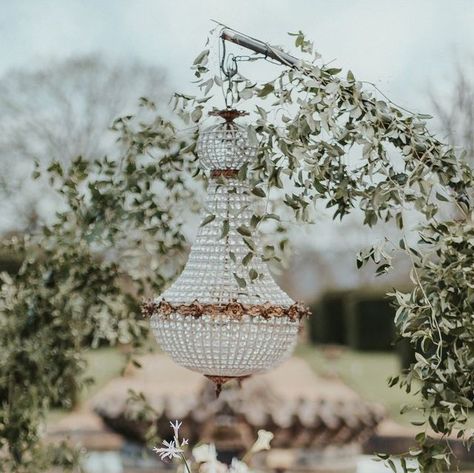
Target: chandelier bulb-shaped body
(221,317)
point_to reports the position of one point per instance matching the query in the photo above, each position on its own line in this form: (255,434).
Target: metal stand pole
(259,47)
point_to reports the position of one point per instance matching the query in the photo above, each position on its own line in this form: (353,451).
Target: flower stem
(188,469)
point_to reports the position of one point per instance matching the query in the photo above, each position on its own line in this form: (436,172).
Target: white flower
(169,450)
(238,466)
(263,441)
(204,453)
(175,428)
(184,442)
(213,466)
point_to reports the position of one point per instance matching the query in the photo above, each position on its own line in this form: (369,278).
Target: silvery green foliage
(77,286)
(324,139)
(328,138)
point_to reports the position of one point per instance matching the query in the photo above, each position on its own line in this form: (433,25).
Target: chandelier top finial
(228,114)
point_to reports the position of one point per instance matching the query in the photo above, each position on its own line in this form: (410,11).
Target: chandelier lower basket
(225,346)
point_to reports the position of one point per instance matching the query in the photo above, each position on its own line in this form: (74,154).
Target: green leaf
(267,89)
(441,197)
(247,258)
(382,269)
(225,228)
(399,220)
(258,191)
(253,274)
(242,174)
(250,243)
(254,220)
(392,466)
(196,114)
(393,381)
(319,187)
(207,220)
(271,217)
(201,58)
(240,281)
(245,231)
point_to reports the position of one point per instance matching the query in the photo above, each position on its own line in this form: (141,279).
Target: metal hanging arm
(260,47)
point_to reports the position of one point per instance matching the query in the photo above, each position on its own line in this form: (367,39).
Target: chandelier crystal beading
(215,319)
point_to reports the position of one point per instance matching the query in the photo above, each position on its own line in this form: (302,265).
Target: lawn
(103,364)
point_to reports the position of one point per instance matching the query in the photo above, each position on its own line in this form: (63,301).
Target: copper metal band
(227,173)
(234,309)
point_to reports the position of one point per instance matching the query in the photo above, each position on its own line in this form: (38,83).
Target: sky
(402,46)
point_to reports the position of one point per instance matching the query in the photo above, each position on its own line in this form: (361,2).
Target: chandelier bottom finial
(219,381)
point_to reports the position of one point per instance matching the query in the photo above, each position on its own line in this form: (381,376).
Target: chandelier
(221,317)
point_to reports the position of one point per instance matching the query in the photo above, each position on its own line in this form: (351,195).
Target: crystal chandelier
(219,318)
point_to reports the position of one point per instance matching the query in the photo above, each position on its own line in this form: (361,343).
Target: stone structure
(315,418)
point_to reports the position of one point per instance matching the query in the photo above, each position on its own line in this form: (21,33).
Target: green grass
(365,372)
(103,364)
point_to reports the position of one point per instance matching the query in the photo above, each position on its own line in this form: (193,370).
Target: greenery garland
(324,140)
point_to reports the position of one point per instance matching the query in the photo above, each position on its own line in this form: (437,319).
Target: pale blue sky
(400,45)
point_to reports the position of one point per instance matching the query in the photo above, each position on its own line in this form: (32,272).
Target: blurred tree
(454,108)
(82,278)
(57,113)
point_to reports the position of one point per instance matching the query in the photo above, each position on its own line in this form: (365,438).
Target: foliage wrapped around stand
(325,140)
